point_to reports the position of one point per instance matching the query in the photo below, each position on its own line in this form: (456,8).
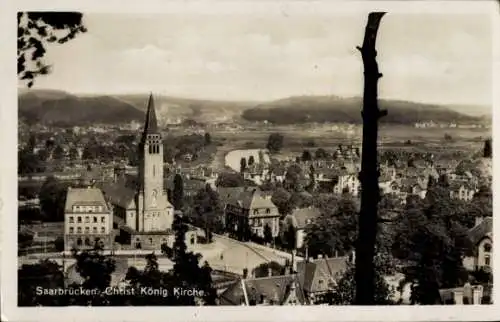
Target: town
(270,229)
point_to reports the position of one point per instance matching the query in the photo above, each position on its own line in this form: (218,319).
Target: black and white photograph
(289,156)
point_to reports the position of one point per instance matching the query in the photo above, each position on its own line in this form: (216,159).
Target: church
(142,216)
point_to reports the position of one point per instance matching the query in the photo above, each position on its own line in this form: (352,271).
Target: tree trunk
(365,248)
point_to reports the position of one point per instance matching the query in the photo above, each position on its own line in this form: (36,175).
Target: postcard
(248,160)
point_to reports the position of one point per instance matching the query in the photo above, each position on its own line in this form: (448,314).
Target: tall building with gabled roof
(142,213)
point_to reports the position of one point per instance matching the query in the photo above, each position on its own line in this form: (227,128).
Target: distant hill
(59,107)
(304,109)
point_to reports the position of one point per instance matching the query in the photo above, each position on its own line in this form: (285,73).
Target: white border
(8,174)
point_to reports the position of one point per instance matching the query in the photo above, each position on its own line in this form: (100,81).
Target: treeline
(338,110)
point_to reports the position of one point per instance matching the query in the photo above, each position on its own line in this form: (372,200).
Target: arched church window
(487,248)
(154,170)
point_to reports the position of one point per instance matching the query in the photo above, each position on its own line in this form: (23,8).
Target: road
(223,254)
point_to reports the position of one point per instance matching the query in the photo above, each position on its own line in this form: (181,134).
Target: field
(298,138)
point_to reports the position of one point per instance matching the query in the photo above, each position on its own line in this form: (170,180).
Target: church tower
(154,211)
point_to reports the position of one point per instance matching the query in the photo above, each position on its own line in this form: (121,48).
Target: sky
(435,58)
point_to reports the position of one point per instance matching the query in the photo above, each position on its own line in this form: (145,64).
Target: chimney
(269,271)
(458,297)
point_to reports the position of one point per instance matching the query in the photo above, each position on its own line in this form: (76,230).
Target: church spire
(151,124)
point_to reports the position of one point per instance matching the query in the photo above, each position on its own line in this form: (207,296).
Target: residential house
(299,219)
(462,191)
(319,276)
(414,187)
(481,236)
(269,290)
(251,208)
(467,294)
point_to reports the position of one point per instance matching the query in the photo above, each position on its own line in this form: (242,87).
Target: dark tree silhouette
(178,193)
(370,194)
(58,153)
(73,154)
(35,30)
(208,209)
(230,179)
(208,139)
(306,155)
(263,269)
(243,165)
(52,197)
(320,154)
(281,198)
(290,237)
(275,142)
(487,150)
(268,234)
(46,274)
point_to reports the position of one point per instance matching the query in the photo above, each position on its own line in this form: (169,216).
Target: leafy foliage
(208,209)
(344,291)
(335,230)
(268,234)
(35,30)
(229,180)
(52,198)
(275,142)
(431,239)
(263,269)
(281,199)
(178,193)
(290,237)
(29,162)
(45,274)
(487,149)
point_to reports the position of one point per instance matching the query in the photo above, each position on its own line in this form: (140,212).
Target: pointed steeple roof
(151,125)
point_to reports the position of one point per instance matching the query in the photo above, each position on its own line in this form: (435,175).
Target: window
(268,211)
(487,248)
(79,219)
(71,219)
(79,241)
(487,260)
(71,230)
(103,219)
(87,230)
(151,240)
(154,170)
(87,241)
(256,211)
(103,230)
(95,219)
(87,219)
(78,230)
(94,230)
